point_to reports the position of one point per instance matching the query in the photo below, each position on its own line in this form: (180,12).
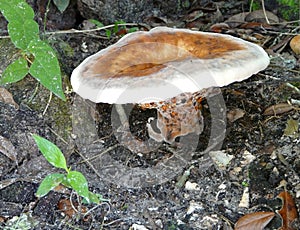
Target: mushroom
(170,70)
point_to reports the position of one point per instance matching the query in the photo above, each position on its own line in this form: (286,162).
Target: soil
(200,182)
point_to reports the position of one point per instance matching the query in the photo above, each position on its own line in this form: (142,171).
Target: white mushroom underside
(175,78)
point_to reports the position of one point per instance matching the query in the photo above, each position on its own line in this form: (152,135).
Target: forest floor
(204,187)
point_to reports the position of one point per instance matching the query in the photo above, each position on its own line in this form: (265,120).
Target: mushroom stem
(178,116)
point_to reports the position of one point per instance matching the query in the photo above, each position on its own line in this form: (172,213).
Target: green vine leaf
(49,183)
(23,32)
(51,152)
(14,10)
(96,22)
(45,67)
(61,5)
(79,184)
(16,71)
(94,198)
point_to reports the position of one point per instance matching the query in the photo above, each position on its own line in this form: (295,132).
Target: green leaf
(45,67)
(120,22)
(108,33)
(23,32)
(51,152)
(116,28)
(14,10)
(49,183)
(79,184)
(61,4)
(65,183)
(133,29)
(16,71)
(96,22)
(94,198)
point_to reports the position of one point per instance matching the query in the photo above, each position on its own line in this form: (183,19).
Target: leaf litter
(259,220)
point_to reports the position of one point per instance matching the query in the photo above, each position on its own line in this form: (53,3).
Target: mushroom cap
(164,62)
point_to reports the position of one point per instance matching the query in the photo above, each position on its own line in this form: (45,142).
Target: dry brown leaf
(237,19)
(291,129)
(255,25)
(288,212)
(66,207)
(235,114)
(295,44)
(259,16)
(194,15)
(154,21)
(219,27)
(7,148)
(7,98)
(278,109)
(256,220)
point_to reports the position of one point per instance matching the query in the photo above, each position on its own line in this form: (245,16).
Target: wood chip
(6,97)
(244,202)
(7,148)
(278,109)
(235,114)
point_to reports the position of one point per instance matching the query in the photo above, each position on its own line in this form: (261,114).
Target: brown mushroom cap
(164,62)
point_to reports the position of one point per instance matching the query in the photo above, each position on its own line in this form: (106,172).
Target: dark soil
(166,186)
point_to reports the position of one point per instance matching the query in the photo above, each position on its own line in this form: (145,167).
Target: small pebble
(192,186)
(138,227)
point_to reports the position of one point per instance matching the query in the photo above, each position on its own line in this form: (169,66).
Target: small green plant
(71,179)
(288,9)
(254,5)
(37,57)
(116,27)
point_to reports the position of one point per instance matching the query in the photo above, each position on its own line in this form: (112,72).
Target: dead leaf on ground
(257,221)
(237,19)
(235,114)
(288,212)
(292,127)
(255,25)
(219,27)
(254,16)
(7,148)
(67,208)
(7,98)
(194,15)
(278,109)
(260,16)
(221,159)
(154,21)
